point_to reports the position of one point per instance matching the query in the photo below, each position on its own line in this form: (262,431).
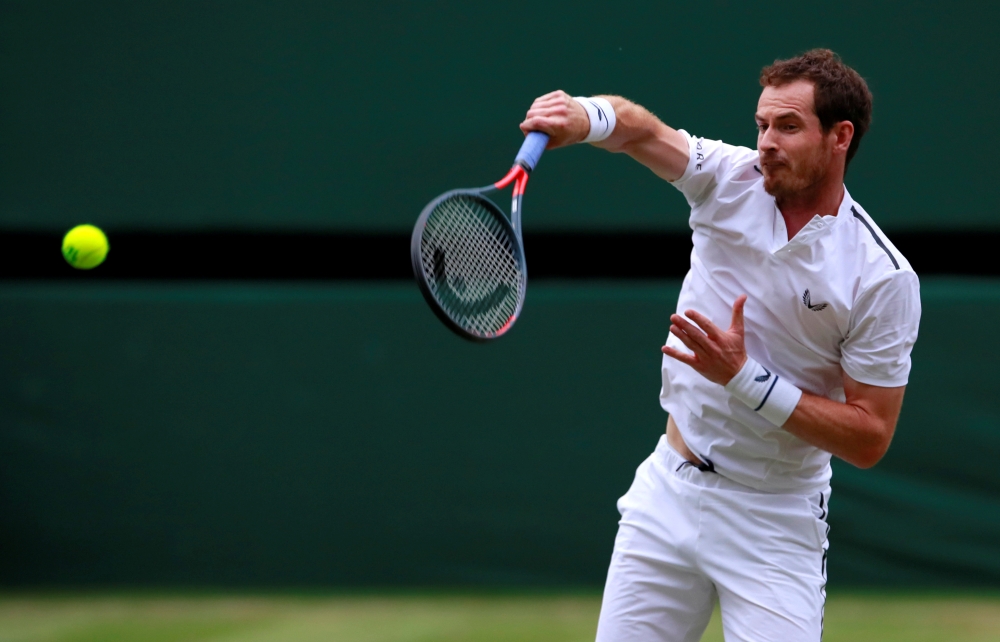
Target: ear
(843,134)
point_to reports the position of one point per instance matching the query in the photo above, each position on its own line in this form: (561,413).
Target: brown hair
(840,92)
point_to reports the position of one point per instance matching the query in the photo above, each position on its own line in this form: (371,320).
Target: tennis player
(791,343)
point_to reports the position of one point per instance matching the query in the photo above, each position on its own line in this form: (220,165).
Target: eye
(761,127)
(790,128)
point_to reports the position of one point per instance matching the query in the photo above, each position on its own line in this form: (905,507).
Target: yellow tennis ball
(85,246)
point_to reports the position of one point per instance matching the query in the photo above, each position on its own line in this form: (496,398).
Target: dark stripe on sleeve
(875,236)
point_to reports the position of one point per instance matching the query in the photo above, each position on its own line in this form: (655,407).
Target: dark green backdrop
(268,435)
(333,115)
(339,435)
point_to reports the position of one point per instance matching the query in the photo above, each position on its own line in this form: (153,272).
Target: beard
(785,179)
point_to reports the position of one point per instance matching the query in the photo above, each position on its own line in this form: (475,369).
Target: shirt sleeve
(883,330)
(711,163)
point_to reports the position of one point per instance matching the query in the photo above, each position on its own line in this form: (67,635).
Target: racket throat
(511,176)
(515,203)
(518,175)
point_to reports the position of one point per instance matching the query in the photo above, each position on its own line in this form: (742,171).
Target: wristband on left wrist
(766,393)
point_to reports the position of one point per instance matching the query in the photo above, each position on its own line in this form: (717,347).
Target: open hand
(718,355)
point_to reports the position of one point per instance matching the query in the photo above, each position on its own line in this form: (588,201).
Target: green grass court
(444,618)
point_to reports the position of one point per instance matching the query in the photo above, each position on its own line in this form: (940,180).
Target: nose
(767,141)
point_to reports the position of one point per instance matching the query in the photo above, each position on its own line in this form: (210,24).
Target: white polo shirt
(839,297)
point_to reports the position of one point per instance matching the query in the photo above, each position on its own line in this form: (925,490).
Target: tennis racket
(468,259)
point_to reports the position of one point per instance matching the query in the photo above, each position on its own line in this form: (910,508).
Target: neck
(799,209)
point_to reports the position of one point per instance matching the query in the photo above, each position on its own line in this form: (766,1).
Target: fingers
(713,331)
(551,98)
(689,335)
(705,324)
(717,355)
(551,106)
(683,357)
(558,115)
(737,323)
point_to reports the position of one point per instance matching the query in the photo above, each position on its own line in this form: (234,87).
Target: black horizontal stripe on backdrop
(233,255)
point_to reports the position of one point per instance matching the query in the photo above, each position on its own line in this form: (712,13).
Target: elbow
(871,452)
(867,458)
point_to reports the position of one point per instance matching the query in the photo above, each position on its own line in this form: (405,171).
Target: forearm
(637,132)
(858,430)
(644,137)
(850,431)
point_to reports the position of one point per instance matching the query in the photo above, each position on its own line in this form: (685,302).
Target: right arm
(637,133)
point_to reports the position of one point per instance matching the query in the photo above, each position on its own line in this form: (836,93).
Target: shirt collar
(817,224)
(846,205)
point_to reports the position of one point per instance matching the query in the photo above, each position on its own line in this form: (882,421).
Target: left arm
(858,431)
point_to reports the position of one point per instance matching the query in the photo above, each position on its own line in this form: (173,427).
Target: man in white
(822,312)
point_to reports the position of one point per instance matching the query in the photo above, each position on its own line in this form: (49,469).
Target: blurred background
(251,395)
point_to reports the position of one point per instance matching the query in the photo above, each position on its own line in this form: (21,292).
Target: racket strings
(478,255)
(471,265)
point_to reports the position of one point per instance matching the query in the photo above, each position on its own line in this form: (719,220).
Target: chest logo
(807,300)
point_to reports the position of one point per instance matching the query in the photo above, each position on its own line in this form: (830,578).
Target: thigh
(654,592)
(767,557)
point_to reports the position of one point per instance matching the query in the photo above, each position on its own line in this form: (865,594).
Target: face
(795,153)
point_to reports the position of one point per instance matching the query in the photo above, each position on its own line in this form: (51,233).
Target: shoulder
(713,163)
(709,156)
(881,257)
(885,275)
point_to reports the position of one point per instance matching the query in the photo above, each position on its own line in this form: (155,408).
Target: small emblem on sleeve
(764,377)
(807,300)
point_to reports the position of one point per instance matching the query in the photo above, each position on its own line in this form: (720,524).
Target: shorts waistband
(680,468)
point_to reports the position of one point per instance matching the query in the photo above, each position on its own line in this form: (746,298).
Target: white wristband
(602,117)
(770,396)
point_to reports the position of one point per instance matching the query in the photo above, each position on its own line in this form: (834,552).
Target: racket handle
(531,150)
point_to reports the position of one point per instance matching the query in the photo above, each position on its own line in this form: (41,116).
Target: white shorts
(687,537)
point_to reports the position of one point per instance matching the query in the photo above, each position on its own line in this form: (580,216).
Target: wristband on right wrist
(602,117)
(770,396)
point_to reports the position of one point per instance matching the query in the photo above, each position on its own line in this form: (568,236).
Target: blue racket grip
(531,150)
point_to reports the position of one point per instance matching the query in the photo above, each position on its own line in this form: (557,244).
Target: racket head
(469,264)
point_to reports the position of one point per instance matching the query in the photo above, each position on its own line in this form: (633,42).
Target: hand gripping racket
(469,259)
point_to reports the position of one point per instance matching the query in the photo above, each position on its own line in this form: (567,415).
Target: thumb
(737,324)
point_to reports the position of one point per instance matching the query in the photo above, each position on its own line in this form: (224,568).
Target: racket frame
(416,255)
(525,161)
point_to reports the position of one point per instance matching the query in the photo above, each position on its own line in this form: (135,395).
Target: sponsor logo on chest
(807,301)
